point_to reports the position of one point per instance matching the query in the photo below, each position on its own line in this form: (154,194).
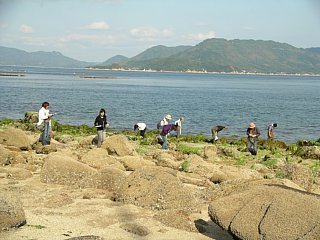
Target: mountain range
(13,56)
(211,55)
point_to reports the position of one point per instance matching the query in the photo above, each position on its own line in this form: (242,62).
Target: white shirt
(43,115)
(141,126)
(164,122)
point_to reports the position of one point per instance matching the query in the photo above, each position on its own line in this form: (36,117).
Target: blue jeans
(165,142)
(45,135)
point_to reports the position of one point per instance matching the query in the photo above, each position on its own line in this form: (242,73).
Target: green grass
(188,150)
(185,166)
(315,168)
(241,161)
(6,122)
(36,226)
(270,163)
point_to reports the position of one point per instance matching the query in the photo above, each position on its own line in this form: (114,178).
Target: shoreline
(171,71)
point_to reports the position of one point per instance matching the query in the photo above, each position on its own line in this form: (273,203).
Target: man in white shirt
(45,123)
(179,123)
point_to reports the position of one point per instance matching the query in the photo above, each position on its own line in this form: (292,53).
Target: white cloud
(200,36)
(97,26)
(25,29)
(149,34)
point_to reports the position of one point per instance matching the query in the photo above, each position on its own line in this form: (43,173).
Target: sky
(95,30)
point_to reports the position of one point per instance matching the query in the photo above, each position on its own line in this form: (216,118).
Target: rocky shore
(131,189)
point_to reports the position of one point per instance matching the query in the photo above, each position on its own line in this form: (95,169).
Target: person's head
(181,119)
(168,117)
(274,124)
(45,105)
(102,112)
(252,125)
(135,127)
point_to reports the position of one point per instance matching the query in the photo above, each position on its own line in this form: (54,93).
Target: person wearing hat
(164,121)
(253,133)
(101,124)
(179,123)
(215,130)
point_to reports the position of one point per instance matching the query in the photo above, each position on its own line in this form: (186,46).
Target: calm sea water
(205,100)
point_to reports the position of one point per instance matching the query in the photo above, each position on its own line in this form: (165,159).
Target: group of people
(165,127)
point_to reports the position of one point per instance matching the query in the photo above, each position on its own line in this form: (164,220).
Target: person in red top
(253,133)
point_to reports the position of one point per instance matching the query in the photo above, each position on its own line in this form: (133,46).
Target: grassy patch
(315,168)
(6,122)
(36,226)
(185,166)
(188,150)
(270,163)
(241,161)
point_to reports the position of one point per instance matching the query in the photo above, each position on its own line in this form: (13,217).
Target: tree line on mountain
(211,55)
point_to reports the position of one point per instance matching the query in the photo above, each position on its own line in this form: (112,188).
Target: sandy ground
(60,212)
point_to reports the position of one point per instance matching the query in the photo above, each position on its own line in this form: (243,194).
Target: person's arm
(257,132)
(96,122)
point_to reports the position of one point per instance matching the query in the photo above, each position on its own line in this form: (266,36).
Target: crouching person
(166,129)
(142,127)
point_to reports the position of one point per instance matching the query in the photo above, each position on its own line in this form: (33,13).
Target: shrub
(188,150)
(185,166)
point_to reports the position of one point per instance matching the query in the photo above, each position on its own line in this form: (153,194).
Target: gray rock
(268,212)
(118,145)
(11,212)
(65,170)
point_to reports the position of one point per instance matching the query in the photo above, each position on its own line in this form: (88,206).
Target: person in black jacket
(101,123)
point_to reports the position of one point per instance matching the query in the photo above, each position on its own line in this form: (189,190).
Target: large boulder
(165,159)
(95,158)
(118,145)
(15,137)
(269,212)
(5,156)
(16,173)
(62,169)
(132,163)
(111,179)
(210,152)
(156,188)
(11,212)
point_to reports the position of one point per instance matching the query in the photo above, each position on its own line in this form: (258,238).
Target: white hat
(168,117)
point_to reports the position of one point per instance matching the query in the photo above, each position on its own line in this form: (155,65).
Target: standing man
(270,130)
(253,133)
(179,123)
(142,127)
(44,123)
(215,130)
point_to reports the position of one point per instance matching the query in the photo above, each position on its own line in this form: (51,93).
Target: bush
(185,166)
(188,150)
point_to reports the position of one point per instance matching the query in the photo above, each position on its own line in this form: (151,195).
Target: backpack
(159,125)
